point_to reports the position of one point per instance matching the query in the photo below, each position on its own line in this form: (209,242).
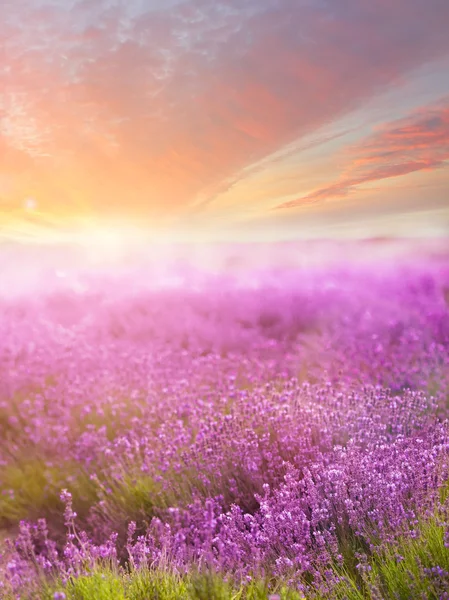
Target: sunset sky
(240,118)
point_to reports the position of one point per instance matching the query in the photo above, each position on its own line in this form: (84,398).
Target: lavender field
(249,428)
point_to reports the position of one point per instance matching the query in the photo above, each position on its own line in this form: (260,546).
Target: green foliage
(29,489)
(403,570)
(145,584)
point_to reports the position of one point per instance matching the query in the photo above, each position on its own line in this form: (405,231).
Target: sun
(30,204)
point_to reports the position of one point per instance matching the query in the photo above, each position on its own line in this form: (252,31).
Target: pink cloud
(417,143)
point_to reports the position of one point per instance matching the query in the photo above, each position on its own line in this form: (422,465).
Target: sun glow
(105,244)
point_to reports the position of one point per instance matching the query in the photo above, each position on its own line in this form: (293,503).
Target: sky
(223,119)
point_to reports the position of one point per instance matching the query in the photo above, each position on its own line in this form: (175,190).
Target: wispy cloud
(419,142)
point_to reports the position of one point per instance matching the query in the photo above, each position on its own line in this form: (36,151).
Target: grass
(109,584)
(401,571)
(30,489)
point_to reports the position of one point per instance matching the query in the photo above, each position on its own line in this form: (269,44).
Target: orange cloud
(417,143)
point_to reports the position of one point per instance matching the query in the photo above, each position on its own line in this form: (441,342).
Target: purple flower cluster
(266,429)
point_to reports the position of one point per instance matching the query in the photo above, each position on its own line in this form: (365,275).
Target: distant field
(225,422)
